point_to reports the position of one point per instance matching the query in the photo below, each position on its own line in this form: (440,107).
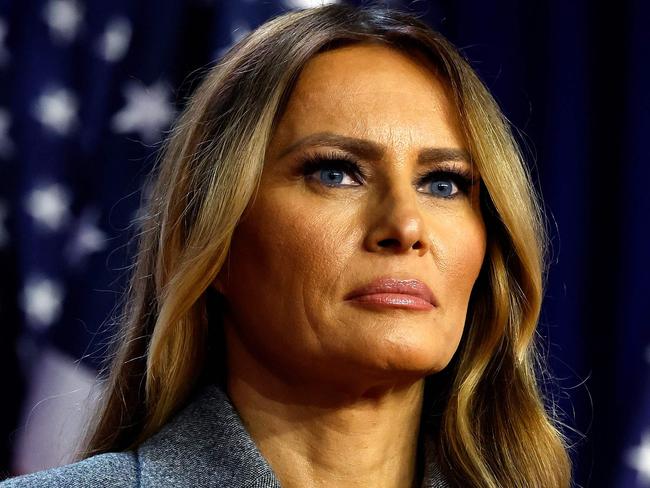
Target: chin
(406,344)
(419,364)
(411,359)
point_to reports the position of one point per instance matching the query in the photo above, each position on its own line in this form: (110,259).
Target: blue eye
(446,183)
(443,187)
(339,172)
(332,171)
(331,176)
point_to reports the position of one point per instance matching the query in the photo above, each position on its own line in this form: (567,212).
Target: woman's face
(318,231)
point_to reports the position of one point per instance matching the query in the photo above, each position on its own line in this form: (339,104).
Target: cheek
(290,253)
(466,256)
(461,247)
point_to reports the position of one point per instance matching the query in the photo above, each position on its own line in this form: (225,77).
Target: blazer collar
(206,444)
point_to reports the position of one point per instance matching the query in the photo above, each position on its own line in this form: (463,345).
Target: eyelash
(462,178)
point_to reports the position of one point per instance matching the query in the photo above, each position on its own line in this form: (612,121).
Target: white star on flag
(64,19)
(639,459)
(56,109)
(4,233)
(6,146)
(4,52)
(48,205)
(41,300)
(300,4)
(148,111)
(87,238)
(114,43)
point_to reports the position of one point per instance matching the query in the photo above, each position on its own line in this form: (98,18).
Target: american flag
(88,91)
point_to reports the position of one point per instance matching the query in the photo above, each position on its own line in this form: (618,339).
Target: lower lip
(394,300)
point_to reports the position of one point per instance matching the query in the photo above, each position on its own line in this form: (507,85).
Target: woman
(338,279)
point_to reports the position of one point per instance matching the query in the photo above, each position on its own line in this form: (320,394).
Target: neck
(321,437)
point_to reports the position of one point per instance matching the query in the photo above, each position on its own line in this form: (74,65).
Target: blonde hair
(494,429)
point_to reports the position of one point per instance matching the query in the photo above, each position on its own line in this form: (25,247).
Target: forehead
(370,91)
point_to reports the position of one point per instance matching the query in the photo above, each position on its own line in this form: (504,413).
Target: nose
(398,225)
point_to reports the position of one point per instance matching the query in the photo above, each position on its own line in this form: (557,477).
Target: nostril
(389,243)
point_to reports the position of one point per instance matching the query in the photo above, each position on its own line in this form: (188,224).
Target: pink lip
(391,292)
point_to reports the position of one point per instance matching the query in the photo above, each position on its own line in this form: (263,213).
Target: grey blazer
(204,445)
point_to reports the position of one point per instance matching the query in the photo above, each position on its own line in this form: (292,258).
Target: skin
(331,390)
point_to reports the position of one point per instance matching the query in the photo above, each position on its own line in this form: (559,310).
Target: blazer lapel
(205,445)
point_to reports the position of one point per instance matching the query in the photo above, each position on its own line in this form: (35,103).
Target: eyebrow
(372,150)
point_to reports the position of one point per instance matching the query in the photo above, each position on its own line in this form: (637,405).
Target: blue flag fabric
(88,90)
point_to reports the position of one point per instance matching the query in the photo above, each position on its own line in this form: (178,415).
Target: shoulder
(115,469)
(204,444)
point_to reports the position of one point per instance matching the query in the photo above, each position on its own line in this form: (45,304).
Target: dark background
(572,77)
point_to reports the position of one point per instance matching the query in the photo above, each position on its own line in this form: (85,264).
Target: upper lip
(394,285)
